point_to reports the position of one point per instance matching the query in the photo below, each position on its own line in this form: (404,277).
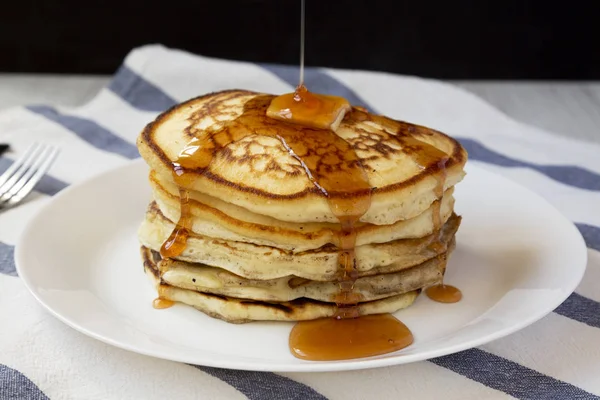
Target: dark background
(443,39)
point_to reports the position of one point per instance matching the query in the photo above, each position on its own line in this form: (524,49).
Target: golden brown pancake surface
(258,173)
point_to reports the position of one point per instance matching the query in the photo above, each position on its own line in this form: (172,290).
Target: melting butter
(308,109)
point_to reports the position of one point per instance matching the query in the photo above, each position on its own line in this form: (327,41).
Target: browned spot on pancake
(217,296)
(278,306)
(156,256)
(297,281)
(148,261)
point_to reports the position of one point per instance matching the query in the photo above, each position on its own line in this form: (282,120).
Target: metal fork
(22,176)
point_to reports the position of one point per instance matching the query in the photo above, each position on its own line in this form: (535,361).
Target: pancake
(259,174)
(217,219)
(215,280)
(236,310)
(264,262)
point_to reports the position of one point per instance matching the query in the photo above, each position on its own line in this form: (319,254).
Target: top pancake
(259,173)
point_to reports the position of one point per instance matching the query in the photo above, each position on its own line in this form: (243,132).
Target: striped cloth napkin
(557,357)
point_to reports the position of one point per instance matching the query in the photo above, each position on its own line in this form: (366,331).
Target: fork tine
(18,185)
(22,170)
(16,164)
(39,173)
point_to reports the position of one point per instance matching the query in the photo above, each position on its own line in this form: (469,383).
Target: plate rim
(298,365)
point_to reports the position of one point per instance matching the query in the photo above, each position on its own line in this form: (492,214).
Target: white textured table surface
(568,109)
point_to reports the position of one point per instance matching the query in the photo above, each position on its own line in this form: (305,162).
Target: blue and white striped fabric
(556,358)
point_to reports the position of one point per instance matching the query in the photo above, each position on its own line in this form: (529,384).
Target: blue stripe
(591,235)
(16,386)
(509,377)
(580,309)
(322,82)
(138,92)
(47,185)
(88,130)
(576,306)
(567,174)
(264,385)
(7,259)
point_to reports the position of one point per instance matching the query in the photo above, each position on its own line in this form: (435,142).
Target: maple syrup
(159,303)
(429,158)
(443,293)
(330,339)
(437,244)
(176,243)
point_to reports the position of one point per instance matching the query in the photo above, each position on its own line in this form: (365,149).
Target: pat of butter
(308,109)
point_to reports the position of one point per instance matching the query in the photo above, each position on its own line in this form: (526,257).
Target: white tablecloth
(557,357)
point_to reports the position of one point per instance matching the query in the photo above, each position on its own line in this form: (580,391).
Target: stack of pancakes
(263,240)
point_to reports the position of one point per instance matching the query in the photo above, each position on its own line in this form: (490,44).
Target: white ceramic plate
(517,259)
